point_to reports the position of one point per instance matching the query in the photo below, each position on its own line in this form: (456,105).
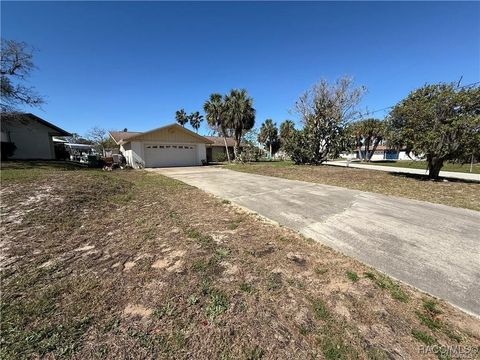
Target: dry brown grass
(135,265)
(452,193)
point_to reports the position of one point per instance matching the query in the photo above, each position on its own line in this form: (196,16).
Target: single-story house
(382,152)
(170,145)
(216,150)
(31,135)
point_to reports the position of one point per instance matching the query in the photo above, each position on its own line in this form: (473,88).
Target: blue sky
(126,64)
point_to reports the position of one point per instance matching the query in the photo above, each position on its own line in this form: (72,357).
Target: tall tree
(440,122)
(214,109)
(268,135)
(239,115)
(325,111)
(287,128)
(181,117)
(100,138)
(16,60)
(368,134)
(195,120)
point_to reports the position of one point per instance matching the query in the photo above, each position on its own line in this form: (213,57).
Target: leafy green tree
(368,134)
(325,111)
(16,66)
(181,117)
(440,122)
(214,109)
(268,136)
(239,115)
(195,120)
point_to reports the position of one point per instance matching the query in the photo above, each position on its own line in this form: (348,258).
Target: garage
(170,145)
(161,155)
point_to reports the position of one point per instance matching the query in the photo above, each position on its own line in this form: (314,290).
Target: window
(161,146)
(154,146)
(180,147)
(174,146)
(148,146)
(168,146)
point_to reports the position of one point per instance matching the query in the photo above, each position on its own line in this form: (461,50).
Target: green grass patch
(351,275)
(428,321)
(320,310)
(246,287)
(423,337)
(217,305)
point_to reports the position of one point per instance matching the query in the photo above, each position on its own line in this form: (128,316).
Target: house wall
(31,138)
(134,152)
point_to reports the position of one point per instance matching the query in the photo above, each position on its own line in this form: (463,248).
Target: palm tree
(181,117)
(214,109)
(268,135)
(287,128)
(240,115)
(195,119)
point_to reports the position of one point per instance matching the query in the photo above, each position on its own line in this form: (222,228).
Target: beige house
(170,145)
(31,135)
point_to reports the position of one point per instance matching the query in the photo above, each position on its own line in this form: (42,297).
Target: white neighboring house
(32,136)
(170,145)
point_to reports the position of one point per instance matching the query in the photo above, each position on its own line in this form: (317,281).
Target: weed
(369,275)
(166,310)
(296,283)
(352,276)
(431,307)
(226,202)
(274,281)
(428,321)
(255,354)
(233,226)
(320,310)
(320,271)
(112,324)
(376,354)
(218,304)
(248,288)
(192,300)
(204,240)
(303,330)
(221,253)
(384,282)
(334,349)
(423,337)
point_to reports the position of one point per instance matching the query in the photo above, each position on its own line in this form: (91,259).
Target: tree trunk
(226,147)
(434,166)
(270,151)
(236,149)
(368,155)
(375,145)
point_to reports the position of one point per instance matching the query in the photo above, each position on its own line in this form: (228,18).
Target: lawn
(130,264)
(465,168)
(452,193)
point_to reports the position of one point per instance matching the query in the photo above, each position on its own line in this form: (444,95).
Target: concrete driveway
(435,248)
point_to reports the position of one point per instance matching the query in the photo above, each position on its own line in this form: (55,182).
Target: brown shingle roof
(218,141)
(122,135)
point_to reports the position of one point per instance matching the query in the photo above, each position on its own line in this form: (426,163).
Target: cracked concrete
(432,247)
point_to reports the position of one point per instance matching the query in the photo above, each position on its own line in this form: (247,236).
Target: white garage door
(169,155)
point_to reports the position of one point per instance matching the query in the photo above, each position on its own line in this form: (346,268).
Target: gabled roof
(124,136)
(118,136)
(19,116)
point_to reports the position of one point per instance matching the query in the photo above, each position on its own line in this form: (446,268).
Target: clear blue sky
(125,64)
